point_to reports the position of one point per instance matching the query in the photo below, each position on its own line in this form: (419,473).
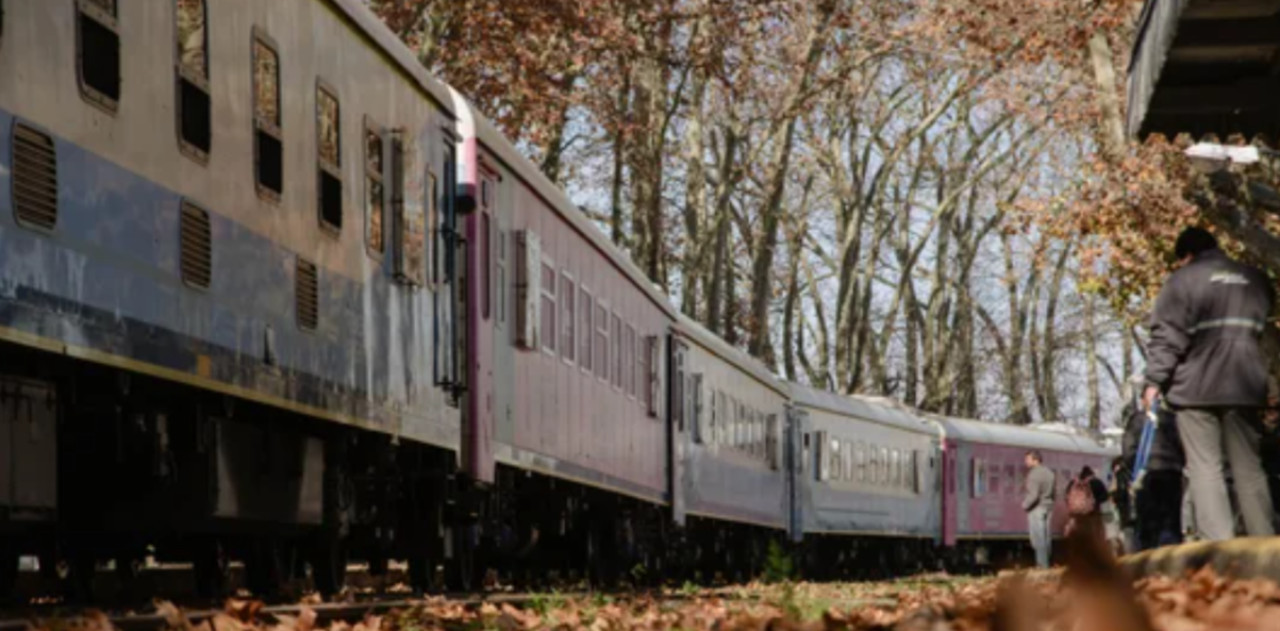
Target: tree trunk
(1091,363)
(695,207)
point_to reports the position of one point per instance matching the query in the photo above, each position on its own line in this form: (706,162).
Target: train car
(868,496)
(565,419)
(729,470)
(984,479)
(225,290)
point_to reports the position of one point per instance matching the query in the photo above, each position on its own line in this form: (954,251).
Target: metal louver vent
(307,291)
(35,178)
(196,246)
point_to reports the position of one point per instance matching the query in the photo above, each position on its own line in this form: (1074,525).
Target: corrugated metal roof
(1206,66)
(876,410)
(1021,436)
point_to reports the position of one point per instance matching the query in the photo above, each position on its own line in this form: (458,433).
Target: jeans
(1158,507)
(1209,435)
(1041,540)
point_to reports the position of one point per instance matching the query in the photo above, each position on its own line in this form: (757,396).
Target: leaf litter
(1091,594)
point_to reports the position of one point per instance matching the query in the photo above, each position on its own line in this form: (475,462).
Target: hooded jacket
(1204,349)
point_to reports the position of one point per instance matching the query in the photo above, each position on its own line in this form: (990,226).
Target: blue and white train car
(868,474)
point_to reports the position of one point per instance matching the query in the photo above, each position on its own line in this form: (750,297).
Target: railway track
(325,614)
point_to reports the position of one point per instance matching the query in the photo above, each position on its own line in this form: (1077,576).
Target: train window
(914,471)
(435,228)
(98,52)
(268,143)
(617,351)
(195,114)
(895,468)
(586,308)
(821,470)
(568,293)
(653,360)
(860,460)
(772,444)
(409,232)
(713,421)
(836,469)
(500,266)
(374,194)
(804,452)
(978,486)
(637,366)
(548,332)
(697,418)
(629,366)
(329,157)
(849,458)
(1011,480)
(528,290)
(602,342)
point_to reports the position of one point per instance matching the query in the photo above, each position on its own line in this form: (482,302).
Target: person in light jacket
(1038,504)
(1205,356)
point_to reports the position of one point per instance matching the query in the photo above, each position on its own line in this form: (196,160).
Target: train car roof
(872,409)
(363,18)
(1021,436)
(694,331)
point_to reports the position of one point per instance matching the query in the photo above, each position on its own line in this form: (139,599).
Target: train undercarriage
(109,470)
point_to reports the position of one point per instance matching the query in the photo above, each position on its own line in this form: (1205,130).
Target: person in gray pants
(1038,504)
(1204,355)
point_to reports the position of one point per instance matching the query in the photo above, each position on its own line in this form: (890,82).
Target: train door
(477,433)
(678,412)
(949,515)
(797,420)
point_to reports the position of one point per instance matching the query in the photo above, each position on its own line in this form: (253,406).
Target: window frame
(203,83)
(323,166)
(380,176)
(549,346)
(585,319)
(615,366)
(274,129)
(568,326)
(602,332)
(111,22)
(629,360)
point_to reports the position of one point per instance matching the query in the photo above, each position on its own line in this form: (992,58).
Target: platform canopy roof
(1206,66)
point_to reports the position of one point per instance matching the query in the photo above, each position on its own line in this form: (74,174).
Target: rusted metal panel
(106,284)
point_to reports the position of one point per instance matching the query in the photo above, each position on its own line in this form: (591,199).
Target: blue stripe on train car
(107,279)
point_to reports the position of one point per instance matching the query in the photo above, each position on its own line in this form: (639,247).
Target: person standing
(1122,500)
(1204,356)
(1085,497)
(1157,500)
(1038,504)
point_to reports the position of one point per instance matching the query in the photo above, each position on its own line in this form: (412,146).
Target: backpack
(1080,500)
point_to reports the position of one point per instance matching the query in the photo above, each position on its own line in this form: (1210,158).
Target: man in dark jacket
(1157,502)
(1204,356)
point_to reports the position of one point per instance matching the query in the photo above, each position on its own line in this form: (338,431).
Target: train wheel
(462,569)
(212,569)
(265,571)
(329,566)
(422,573)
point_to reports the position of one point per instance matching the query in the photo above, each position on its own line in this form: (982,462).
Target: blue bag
(1149,427)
